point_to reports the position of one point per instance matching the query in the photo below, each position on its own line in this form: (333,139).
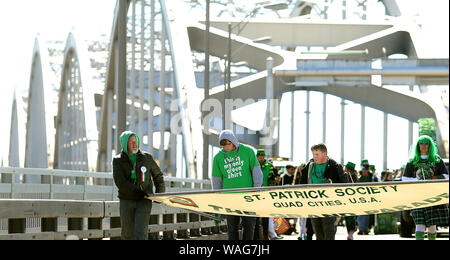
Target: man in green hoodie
(131,171)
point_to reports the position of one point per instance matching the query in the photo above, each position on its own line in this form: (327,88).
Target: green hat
(350,165)
(260,152)
(364,161)
(372,167)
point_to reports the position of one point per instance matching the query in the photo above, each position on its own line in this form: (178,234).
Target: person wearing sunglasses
(426,164)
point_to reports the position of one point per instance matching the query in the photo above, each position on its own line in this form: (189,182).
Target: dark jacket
(136,190)
(287,179)
(333,172)
(438,170)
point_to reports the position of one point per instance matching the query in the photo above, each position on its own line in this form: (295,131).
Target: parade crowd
(259,171)
(236,165)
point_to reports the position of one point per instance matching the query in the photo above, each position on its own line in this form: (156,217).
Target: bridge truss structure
(153,83)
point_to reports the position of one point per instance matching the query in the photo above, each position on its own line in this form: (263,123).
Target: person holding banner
(319,170)
(426,164)
(131,171)
(236,166)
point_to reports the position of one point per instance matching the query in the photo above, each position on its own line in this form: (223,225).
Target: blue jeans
(134,219)
(363,223)
(248,226)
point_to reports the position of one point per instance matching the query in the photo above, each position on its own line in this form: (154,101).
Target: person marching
(266,166)
(427,165)
(267,171)
(273,180)
(306,229)
(367,173)
(288,178)
(350,221)
(135,174)
(365,221)
(322,169)
(236,166)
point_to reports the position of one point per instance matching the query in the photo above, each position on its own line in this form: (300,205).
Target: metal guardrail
(85,204)
(78,185)
(94,213)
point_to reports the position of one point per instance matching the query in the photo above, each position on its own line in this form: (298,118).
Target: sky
(52,20)
(21,21)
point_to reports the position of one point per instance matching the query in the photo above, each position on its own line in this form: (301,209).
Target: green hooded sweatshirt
(147,174)
(124,143)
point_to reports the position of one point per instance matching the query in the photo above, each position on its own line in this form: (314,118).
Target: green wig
(433,157)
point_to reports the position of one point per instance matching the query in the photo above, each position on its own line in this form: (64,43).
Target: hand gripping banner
(313,201)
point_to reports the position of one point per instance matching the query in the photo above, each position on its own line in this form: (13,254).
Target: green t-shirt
(318,173)
(235,167)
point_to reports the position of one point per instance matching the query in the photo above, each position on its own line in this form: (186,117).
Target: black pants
(261,229)
(309,230)
(134,219)
(350,223)
(248,226)
(324,228)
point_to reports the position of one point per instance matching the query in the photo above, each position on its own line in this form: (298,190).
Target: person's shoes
(304,237)
(432,236)
(276,238)
(420,235)
(350,237)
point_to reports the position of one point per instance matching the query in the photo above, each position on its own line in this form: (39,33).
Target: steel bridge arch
(14,157)
(117,97)
(75,122)
(398,38)
(39,122)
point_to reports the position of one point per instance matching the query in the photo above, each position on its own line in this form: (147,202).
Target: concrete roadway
(341,234)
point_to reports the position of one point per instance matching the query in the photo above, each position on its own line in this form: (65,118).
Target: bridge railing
(89,202)
(31,183)
(95,220)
